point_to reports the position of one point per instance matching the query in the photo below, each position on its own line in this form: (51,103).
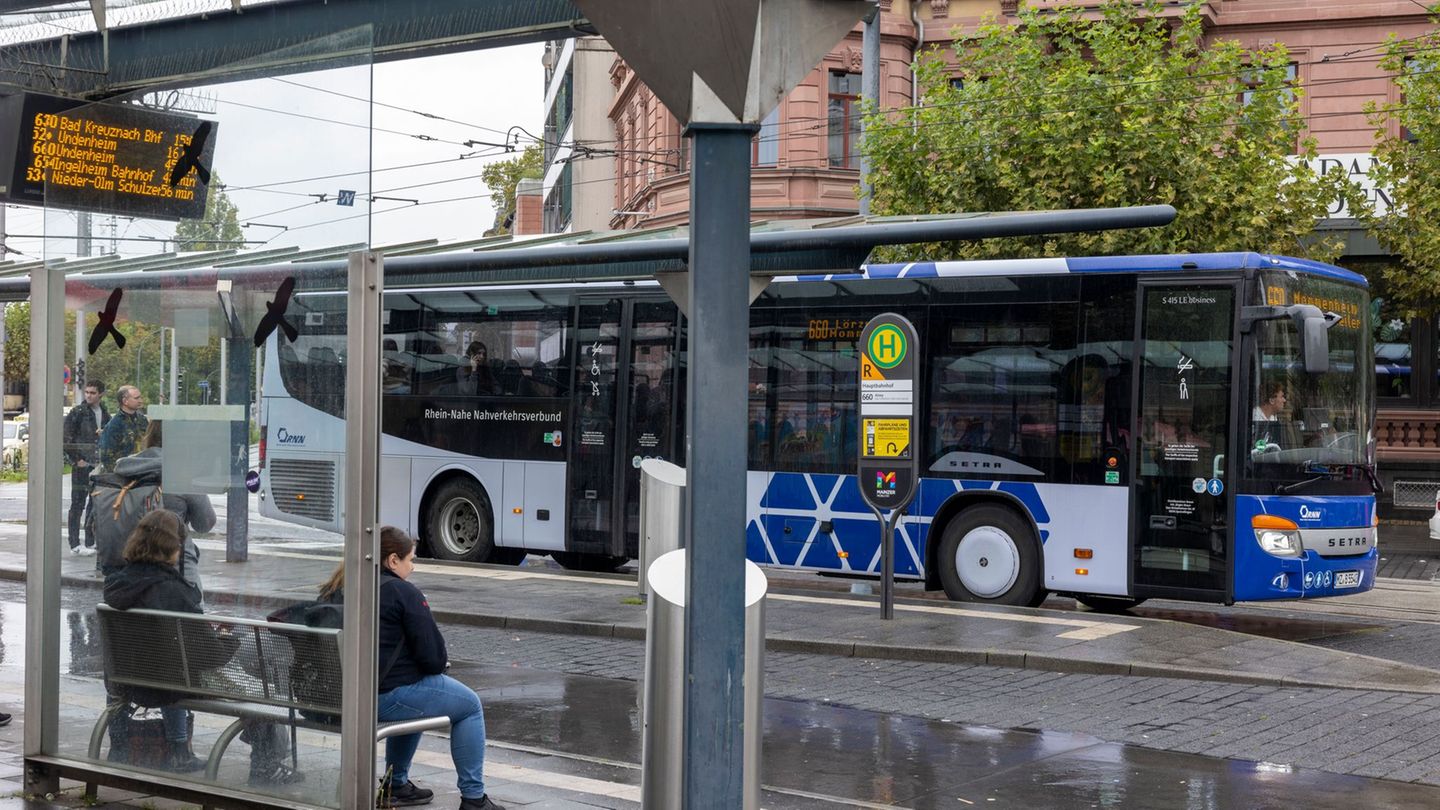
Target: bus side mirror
(1314,327)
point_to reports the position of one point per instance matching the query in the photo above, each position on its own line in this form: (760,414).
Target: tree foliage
(502,175)
(218,229)
(1408,166)
(1122,108)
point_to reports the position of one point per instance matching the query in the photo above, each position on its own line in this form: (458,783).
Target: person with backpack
(151,580)
(82,436)
(193,509)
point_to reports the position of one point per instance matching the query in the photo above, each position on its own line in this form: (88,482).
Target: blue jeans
(428,697)
(177,723)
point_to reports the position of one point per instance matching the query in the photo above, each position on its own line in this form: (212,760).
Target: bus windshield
(1308,427)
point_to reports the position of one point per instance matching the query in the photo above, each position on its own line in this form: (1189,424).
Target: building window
(557,119)
(844,130)
(557,204)
(1253,79)
(766,148)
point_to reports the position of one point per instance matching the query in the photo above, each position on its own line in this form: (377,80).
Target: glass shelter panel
(185,654)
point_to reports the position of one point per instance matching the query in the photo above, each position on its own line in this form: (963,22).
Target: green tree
(17,342)
(1408,167)
(502,175)
(218,229)
(1125,108)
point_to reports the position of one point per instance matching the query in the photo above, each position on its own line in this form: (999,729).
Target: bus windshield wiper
(1323,471)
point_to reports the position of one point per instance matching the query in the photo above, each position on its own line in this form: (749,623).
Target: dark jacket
(406,625)
(154,586)
(194,510)
(81,437)
(121,437)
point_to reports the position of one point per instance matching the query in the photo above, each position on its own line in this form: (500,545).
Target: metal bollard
(663,740)
(662,513)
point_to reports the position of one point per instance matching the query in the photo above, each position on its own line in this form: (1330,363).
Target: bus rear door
(626,410)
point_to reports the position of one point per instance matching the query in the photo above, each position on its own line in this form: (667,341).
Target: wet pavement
(568,741)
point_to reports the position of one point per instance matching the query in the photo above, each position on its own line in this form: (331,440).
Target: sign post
(889,465)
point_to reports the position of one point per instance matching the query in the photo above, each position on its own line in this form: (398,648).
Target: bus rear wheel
(988,554)
(458,523)
(577,561)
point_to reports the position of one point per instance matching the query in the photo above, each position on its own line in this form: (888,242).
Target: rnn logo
(1306,513)
(283,436)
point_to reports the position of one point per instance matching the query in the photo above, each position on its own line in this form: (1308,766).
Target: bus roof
(1160,263)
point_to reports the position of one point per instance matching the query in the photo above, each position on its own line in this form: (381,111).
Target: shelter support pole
(362,530)
(236,391)
(42,530)
(715,496)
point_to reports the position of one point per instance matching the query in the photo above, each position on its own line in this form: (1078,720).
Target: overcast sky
(280,140)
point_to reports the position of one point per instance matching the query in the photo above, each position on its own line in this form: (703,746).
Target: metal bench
(253,671)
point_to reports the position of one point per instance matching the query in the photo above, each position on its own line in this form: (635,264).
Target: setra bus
(1184,426)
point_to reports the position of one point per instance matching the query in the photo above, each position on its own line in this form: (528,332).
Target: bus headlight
(1277,535)
(1279,543)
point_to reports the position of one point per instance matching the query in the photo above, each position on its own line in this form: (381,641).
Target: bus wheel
(577,561)
(989,554)
(459,523)
(1108,604)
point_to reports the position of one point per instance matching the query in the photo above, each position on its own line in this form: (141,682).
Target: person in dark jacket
(82,437)
(412,660)
(193,509)
(152,580)
(123,434)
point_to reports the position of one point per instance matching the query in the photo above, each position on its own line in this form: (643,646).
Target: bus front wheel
(459,523)
(988,554)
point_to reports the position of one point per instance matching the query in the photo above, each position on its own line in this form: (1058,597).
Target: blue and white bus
(1186,426)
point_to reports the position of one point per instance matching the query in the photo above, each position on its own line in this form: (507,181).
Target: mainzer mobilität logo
(887,346)
(884,480)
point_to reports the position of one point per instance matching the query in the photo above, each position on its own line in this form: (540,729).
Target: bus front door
(625,411)
(1182,499)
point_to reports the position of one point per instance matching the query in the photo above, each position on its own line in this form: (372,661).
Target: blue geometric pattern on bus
(792,508)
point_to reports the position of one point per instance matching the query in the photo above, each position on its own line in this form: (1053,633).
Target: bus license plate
(1347,579)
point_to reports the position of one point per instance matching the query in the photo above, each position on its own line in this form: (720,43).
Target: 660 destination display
(104,157)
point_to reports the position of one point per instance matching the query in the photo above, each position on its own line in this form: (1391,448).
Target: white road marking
(1078,629)
(1084,630)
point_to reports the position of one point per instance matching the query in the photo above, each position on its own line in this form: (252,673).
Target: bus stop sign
(888,466)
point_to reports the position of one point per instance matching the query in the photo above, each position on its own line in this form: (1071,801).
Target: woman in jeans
(413,684)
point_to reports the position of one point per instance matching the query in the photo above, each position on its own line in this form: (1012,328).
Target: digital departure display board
(106,157)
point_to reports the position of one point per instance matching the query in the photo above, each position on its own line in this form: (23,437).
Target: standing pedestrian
(82,436)
(124,433)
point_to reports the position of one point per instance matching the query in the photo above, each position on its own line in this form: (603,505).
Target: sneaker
(405,794)
(5,719)
(482,803)
(86,551)
(275,774)
(76,551)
